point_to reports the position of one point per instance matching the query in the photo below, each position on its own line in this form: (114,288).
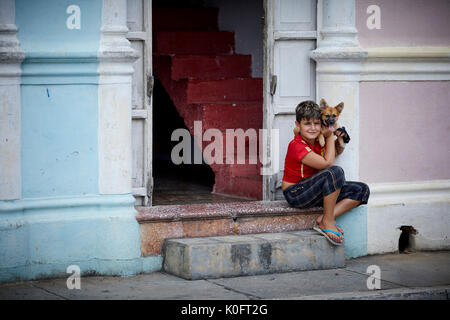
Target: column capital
(338,36)
(10,51)
(114,45)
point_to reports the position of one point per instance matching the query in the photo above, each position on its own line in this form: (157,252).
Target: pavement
(414,276)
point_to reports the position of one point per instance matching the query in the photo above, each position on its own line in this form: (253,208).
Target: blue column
(62,218)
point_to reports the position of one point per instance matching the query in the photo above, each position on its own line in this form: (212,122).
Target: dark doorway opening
(174,184)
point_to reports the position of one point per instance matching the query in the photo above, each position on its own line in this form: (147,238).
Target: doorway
(201,183)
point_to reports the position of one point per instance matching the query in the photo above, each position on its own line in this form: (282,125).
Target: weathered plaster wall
(402,130)
(405,23)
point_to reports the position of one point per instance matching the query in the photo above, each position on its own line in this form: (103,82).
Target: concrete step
(177,19)
(194,42)
(211,66)
(229,256)
(158,223)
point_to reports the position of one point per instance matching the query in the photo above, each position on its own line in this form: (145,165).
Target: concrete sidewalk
(420,275)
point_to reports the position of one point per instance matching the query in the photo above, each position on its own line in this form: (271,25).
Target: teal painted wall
(354,224)
(59,145)
(59,98)
(42,27)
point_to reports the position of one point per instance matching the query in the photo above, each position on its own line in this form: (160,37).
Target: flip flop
(322,232)
(341,230)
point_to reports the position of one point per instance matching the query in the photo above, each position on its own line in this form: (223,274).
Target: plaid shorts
(309,192)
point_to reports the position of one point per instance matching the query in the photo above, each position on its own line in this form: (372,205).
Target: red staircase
(197,65)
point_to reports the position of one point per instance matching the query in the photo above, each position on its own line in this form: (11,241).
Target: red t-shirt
(294,169)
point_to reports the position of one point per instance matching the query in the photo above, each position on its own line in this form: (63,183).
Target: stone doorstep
(218,219)
(244,255)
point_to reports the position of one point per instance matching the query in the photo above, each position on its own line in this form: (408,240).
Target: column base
(40,238)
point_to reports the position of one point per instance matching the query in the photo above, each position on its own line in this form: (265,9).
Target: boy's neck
(311,142)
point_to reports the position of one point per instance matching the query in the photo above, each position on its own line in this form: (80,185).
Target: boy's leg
(351,196)
(344,206)
(328,221)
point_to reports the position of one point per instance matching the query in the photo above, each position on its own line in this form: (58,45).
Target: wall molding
(400,193)
(73,203)
(425,63)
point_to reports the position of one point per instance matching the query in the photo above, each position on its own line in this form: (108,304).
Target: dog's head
(330,115)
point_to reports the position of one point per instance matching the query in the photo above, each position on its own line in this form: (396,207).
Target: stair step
(194,42)
(225,90)
(158,223)
(233,116)
(226,116)
(249,186)
(219,66)
(185,19)
(246,255)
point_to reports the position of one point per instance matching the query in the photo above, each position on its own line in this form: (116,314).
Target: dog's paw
(343,133)
(321,140)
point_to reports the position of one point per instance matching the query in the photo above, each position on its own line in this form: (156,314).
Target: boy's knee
(335,176)
(366,189)
(337,171)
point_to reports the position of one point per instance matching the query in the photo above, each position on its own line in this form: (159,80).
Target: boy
(310,178)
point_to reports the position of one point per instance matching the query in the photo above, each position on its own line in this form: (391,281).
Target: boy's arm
(316,161)
(338,147)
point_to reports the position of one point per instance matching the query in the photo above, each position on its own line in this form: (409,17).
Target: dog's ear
(323,104)
(340,107)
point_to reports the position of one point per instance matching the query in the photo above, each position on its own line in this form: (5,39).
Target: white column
(116,59)
(339,56)
(11,58)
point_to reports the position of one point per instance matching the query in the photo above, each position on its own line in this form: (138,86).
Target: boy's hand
(326,132)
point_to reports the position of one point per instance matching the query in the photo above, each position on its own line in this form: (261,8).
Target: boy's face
(309,128)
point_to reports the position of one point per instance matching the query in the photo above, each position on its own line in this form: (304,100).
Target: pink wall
(405,23)
(404,131)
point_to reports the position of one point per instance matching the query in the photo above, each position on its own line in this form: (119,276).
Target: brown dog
(329,117)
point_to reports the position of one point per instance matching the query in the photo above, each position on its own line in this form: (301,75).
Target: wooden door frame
(146,114)
(270,181)
(268,185)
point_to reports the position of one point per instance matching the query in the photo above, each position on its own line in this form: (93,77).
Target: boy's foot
(334,236)
(319,221)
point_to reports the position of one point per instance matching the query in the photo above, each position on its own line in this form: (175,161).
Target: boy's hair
(307,110)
